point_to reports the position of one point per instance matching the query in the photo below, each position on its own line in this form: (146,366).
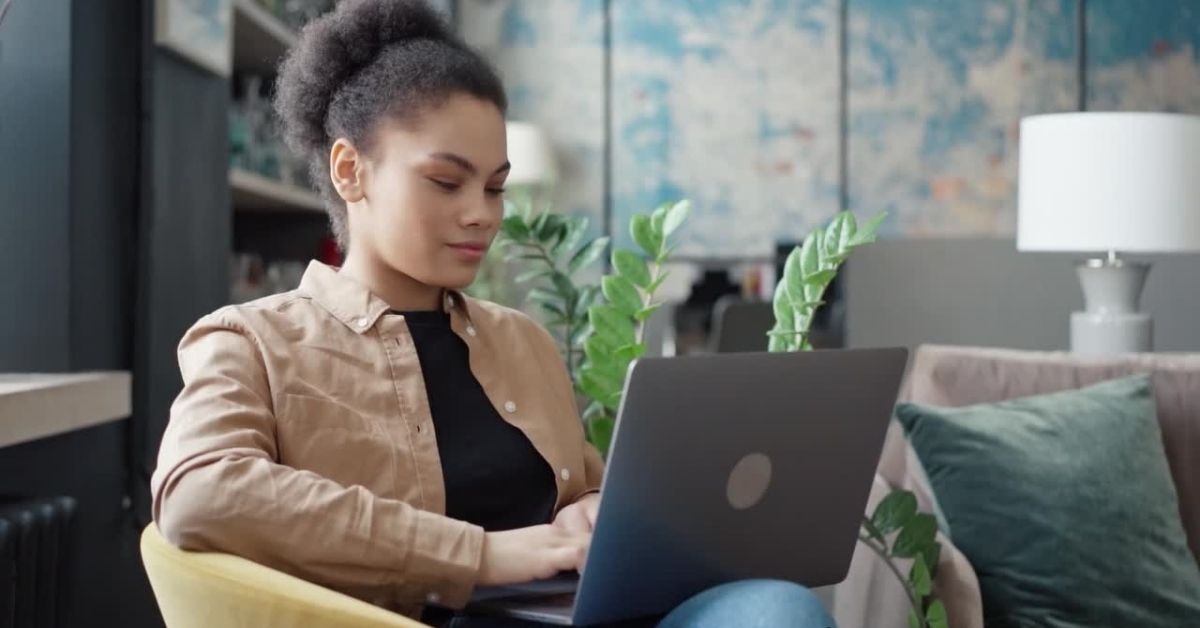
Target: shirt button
(360,322)
(566,474)
(510,406)
(433,598)
(470,331)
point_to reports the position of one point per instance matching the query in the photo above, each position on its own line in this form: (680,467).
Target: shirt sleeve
(219,487)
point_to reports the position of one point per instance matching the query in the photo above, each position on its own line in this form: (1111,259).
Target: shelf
(254,192)
(34,406)
(260,40)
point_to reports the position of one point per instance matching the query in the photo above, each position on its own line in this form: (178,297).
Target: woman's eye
(495,191)
(445,185)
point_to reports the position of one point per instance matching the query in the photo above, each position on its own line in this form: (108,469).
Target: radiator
(34,561)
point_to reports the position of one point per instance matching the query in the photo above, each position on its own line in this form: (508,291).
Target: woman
(376,431)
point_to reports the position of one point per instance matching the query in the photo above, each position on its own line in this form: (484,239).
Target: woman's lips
(470,250)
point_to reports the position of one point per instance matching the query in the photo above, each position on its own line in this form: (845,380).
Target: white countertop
(36,405)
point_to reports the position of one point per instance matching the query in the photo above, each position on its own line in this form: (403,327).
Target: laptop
(724,467)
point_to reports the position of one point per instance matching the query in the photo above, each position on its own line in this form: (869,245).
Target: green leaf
(778,344)
(918,577)
(631,352)
(586,255)
(599,347)
(585,299)
(542,295)
(533,274)
(606,319)
(785,316)
(916,535)
(622,294)
(658,217)
(561,238)
(554,310)
(810,253)
(594,387)
(645,313)
(675,216)
(644,235)
(936,617)
(793,276)
(578,330)
(873,531)
(565,287)
(913,622)
(537,227)
(821,277)
(608,372)
(932,553)
(600,433)
(894,511)
(833,235)
(576,228)
(804,309)
(850,228)
(631,266)
(603,393)
(514,227)
(866,232)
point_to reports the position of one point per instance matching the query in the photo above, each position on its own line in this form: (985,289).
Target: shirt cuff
(444,560)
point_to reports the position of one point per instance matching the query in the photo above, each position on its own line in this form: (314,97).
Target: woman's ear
(347,170)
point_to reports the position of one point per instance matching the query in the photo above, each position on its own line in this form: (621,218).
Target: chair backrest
(740,325)
(201,590)
(959,376)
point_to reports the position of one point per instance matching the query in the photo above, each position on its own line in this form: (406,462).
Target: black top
(494,476)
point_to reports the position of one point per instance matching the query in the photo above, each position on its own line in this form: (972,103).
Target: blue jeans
(748,604)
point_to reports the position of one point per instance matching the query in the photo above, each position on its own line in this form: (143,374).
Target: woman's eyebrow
(465,164)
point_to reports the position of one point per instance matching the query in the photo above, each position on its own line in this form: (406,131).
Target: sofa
(959,376)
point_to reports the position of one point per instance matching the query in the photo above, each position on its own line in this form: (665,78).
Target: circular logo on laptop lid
(748,481)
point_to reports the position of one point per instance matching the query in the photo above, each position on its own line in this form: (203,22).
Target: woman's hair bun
(334,48)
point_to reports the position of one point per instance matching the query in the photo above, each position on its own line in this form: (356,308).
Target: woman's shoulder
(253,317)
(487,315)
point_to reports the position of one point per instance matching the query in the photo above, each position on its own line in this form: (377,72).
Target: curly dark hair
(362,62)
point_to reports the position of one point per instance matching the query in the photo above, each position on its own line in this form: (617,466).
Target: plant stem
(540,250)
(912,597)
(640,333)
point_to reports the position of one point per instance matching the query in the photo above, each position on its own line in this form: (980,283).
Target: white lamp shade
(530,154)
(1125,182)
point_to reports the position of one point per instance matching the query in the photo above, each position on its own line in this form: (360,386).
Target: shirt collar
(353,304)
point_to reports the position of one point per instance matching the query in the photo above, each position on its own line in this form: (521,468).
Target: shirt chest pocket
(332,440)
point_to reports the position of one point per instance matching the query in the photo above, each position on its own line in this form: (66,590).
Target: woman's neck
(398,290)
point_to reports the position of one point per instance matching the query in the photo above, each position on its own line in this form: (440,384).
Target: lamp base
(1109,333)
(1111,323)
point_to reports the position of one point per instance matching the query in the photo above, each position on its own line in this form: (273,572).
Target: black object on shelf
(35,559)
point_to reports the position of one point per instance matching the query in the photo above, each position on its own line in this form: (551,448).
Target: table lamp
(530,154)
(1110,183)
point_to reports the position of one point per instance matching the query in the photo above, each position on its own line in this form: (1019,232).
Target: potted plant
(602,330)
(895,531)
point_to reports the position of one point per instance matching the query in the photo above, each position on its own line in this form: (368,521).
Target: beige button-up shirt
(302,439)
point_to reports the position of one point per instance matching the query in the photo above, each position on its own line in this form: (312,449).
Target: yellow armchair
(202,590)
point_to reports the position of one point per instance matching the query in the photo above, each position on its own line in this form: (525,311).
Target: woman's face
(432,192)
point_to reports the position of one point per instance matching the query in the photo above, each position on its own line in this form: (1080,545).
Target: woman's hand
(534,553)
(580,516)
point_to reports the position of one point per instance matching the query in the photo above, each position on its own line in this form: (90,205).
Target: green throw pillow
(1064,505)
